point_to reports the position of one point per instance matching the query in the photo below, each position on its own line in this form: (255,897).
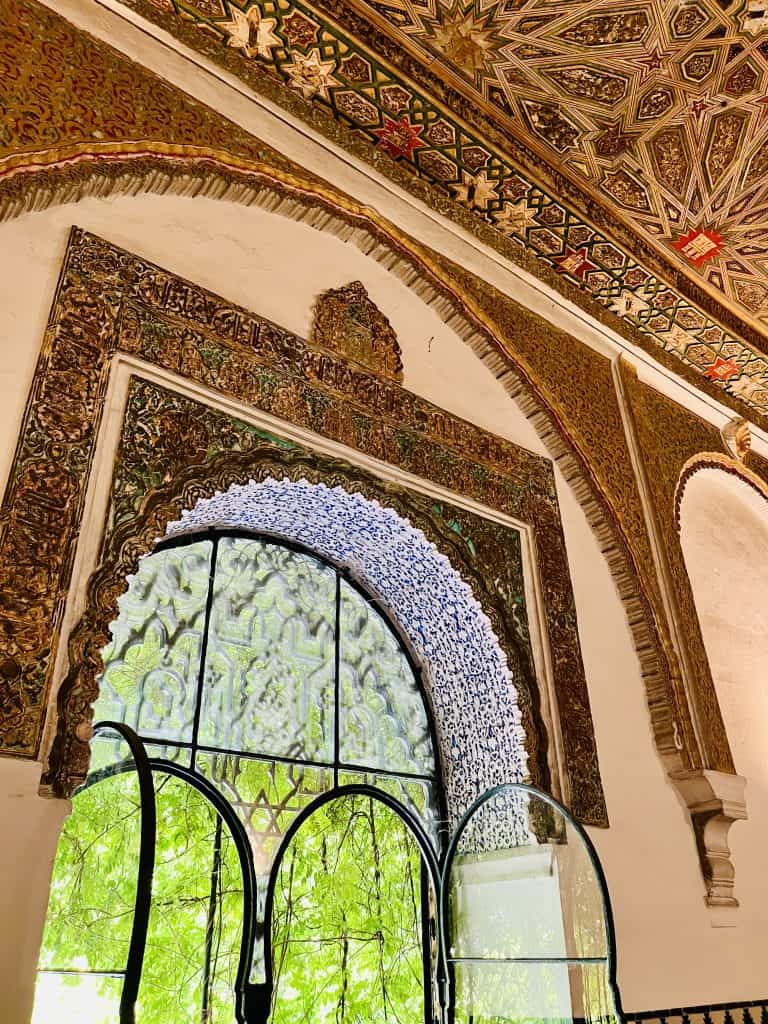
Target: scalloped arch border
(719,463)
(448,630)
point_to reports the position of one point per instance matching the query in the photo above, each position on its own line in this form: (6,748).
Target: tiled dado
(753,1011)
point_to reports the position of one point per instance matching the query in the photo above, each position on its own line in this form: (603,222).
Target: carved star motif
(250,33)
(575,263)
(515,218)
(653,62)
(399,138)
(678,339)
(476,191)
(629,304)
(465,40)
(699,107)
(310,75)
(613,140)
(722,370)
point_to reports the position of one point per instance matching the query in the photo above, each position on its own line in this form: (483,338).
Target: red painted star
(698,107)
(653,62)
(722,370)
(575,263)
(699,245)
(400,138)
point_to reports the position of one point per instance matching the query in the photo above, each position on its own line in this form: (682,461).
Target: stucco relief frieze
(109,300)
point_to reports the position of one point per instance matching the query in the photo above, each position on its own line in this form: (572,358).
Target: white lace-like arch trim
(466,676)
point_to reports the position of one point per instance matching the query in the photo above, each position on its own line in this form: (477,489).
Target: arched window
(303,869)
(257,674)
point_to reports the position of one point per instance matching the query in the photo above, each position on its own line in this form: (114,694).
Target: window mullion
(337,684)
(204,651)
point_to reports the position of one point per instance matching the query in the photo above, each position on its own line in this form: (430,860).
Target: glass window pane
(416,795)
(77,999)
(384,722)
(492,993)
(347,927)
(151,668)
(267,795)
(93,888)
(522,884)
(269,678)
(193,941)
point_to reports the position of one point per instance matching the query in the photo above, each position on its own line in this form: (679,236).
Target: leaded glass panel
(269,673)
(383,720)
(267,795)
(152,665)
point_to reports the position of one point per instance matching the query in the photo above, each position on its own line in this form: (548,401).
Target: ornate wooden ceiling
(658,108)
(623,144)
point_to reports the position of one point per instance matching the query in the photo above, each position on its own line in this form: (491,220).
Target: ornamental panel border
(110,301)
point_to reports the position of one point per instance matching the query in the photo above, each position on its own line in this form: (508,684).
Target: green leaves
(347,925)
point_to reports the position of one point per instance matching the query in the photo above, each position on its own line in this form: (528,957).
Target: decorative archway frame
(610,503)
(110,302)
(586,454)
(173,144)
(716,799)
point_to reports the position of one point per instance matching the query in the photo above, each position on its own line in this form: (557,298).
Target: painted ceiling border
(652,314)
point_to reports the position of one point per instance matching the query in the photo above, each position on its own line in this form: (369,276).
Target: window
(253,671)
(300,864)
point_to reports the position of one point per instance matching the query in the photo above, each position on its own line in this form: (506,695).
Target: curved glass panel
(526,919)
(350,919)
(84,953)
(195,924)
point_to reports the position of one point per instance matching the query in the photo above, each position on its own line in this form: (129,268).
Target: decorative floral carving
(108,301)
(347,322)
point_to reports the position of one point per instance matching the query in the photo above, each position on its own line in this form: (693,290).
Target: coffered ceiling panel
(622,145)
(660,109)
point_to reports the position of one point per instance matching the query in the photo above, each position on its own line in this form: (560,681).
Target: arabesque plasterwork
(424,130)
(167,141)
(110,301)
(477,685)
(564,387)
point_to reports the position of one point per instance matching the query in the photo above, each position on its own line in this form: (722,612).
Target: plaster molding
(715,800)
(724,463)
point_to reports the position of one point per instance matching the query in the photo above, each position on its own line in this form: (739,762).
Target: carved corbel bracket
(714,800)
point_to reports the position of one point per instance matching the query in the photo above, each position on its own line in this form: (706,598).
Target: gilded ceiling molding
(363,88)
(674,444)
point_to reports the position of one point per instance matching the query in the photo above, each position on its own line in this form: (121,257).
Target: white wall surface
(29,828)
(669,952)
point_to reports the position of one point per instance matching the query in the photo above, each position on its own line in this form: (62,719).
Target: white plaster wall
(724,535)
(29,827)
(669,952)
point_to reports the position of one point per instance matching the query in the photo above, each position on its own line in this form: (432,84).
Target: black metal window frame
(253,1001)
